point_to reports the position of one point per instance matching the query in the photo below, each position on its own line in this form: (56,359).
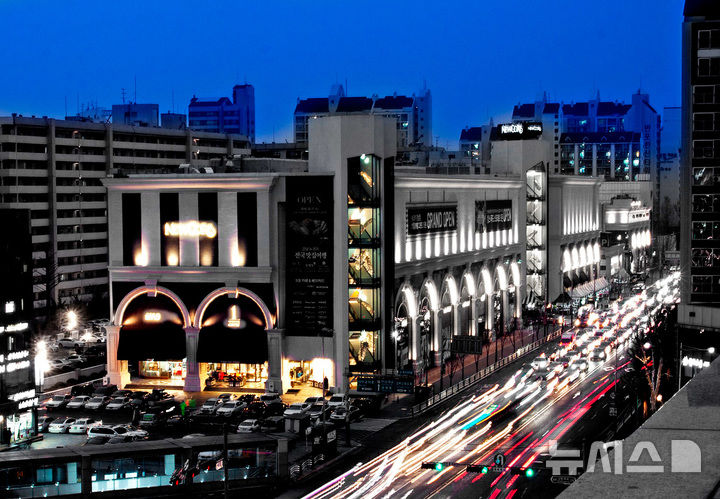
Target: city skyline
(465,92)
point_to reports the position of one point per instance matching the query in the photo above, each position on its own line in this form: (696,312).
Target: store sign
(491,216)
(309,255)
(519,130)
(25,399)
(386,384)
(20,326)
(431,219)
(152,317)
(191,228)
(14,361)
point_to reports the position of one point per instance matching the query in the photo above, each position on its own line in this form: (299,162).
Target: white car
(271,398)
(76,359)
(231,408)
(310,401)
(70,343)
(117,403)
(101,431)
(61,425)
(297,409)
(539,363)
(248,426)
(210,406)
(82,425)
(57,364)
(337,400)
(78,402)
(130,431)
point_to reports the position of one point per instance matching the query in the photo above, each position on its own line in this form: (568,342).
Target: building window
(703,149)
(705,257)
(702,231)
(703,94)
(709,66)
(704,176)
(708,39)
(702,284)
(705,203)
(703,122)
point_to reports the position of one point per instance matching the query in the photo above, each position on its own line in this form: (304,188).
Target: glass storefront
(21,426)
(162,369)
(250,373)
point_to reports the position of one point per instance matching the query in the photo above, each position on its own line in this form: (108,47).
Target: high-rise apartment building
(222,115)
(53,168)
(413,114)
(700,168)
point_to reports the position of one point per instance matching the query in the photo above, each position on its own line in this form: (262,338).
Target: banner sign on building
(431,219)
(386,384)
(493,215)
(309,255)
(519,130)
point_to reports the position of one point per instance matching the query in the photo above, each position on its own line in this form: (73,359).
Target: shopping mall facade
(335,266)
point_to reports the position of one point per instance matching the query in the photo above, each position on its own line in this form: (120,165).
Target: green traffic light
(529,472)
(439,466)
(484,470)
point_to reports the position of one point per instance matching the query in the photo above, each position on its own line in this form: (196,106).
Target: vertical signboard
(309,254)
(491,216)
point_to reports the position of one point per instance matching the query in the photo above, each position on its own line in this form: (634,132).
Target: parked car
(97,403)
(271,398)
(120,439)
(316,411)
(101,431)
(84,389)
(153,418)
(337,400)
(160,398)
(225,397)
(231,408)
(273,424)
(296,410)
(56,364)
(248,398)
(343,414)
(121,393)
(210,406)
(70,343)
(61,425)
(139,399)
(82,425)
(255,410)
(76,359)
(118,403)
(97,440)
(78,402)
(248,426)
(275,409)
(44,423)
(130,430)
(58,401)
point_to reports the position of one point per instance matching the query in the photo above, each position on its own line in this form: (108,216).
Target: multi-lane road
(514,421)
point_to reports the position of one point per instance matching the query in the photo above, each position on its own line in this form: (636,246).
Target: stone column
(116,369)
(192,370)
(594,160)
(274,381)
(576,156)
(473,316)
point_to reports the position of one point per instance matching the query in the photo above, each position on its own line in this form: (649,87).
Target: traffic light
(433,465)
(477,468)
(529,473)
(439,466)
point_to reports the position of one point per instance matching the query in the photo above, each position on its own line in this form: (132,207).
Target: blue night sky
(477,58)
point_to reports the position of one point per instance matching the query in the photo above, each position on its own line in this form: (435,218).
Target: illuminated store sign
(520,130)
(20,326)
(191,228)
(233,320)
(491,216)
(152,317)
(430,219)
(25,399)
(14,361)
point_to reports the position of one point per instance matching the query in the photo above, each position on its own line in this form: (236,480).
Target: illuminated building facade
(18,400)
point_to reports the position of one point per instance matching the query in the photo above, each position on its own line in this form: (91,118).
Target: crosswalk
(372,424)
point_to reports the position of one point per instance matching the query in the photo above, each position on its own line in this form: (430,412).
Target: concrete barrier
(92,371)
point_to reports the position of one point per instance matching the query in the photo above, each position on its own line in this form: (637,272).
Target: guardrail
(465,383)
(76,374)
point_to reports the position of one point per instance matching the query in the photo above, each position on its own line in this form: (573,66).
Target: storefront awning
(243,346)
(159,342)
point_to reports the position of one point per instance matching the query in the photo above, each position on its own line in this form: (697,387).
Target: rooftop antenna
(122,92)
(66,106)
(135,98)
(78,102)
(173,100)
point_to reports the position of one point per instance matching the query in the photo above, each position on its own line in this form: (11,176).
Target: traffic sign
(563,479)
(500,460)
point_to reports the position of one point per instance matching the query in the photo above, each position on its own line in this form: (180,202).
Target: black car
(84,389)
(256,410)
(160,398)
(272,424)
(275,409)
(121,393)
(104,390)
(248,398)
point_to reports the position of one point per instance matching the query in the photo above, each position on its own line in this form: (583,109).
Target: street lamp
(709,350)
(395,336)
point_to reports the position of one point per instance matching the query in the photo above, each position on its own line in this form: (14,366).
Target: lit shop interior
(17,385)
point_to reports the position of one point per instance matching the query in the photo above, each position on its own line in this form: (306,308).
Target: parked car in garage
(44,423)
(211,405)
(231,408)
(343,413)
(273,424)
(248,426)
(97,403)
(129,430)
(118,403)
(70,343)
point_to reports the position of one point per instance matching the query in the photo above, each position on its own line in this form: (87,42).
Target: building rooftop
(209,101)
(524,111)
(551,108)
(612,108)
(577,109)
(354,104)
(472,133)
(393,102)
(702,8)
(313,105)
